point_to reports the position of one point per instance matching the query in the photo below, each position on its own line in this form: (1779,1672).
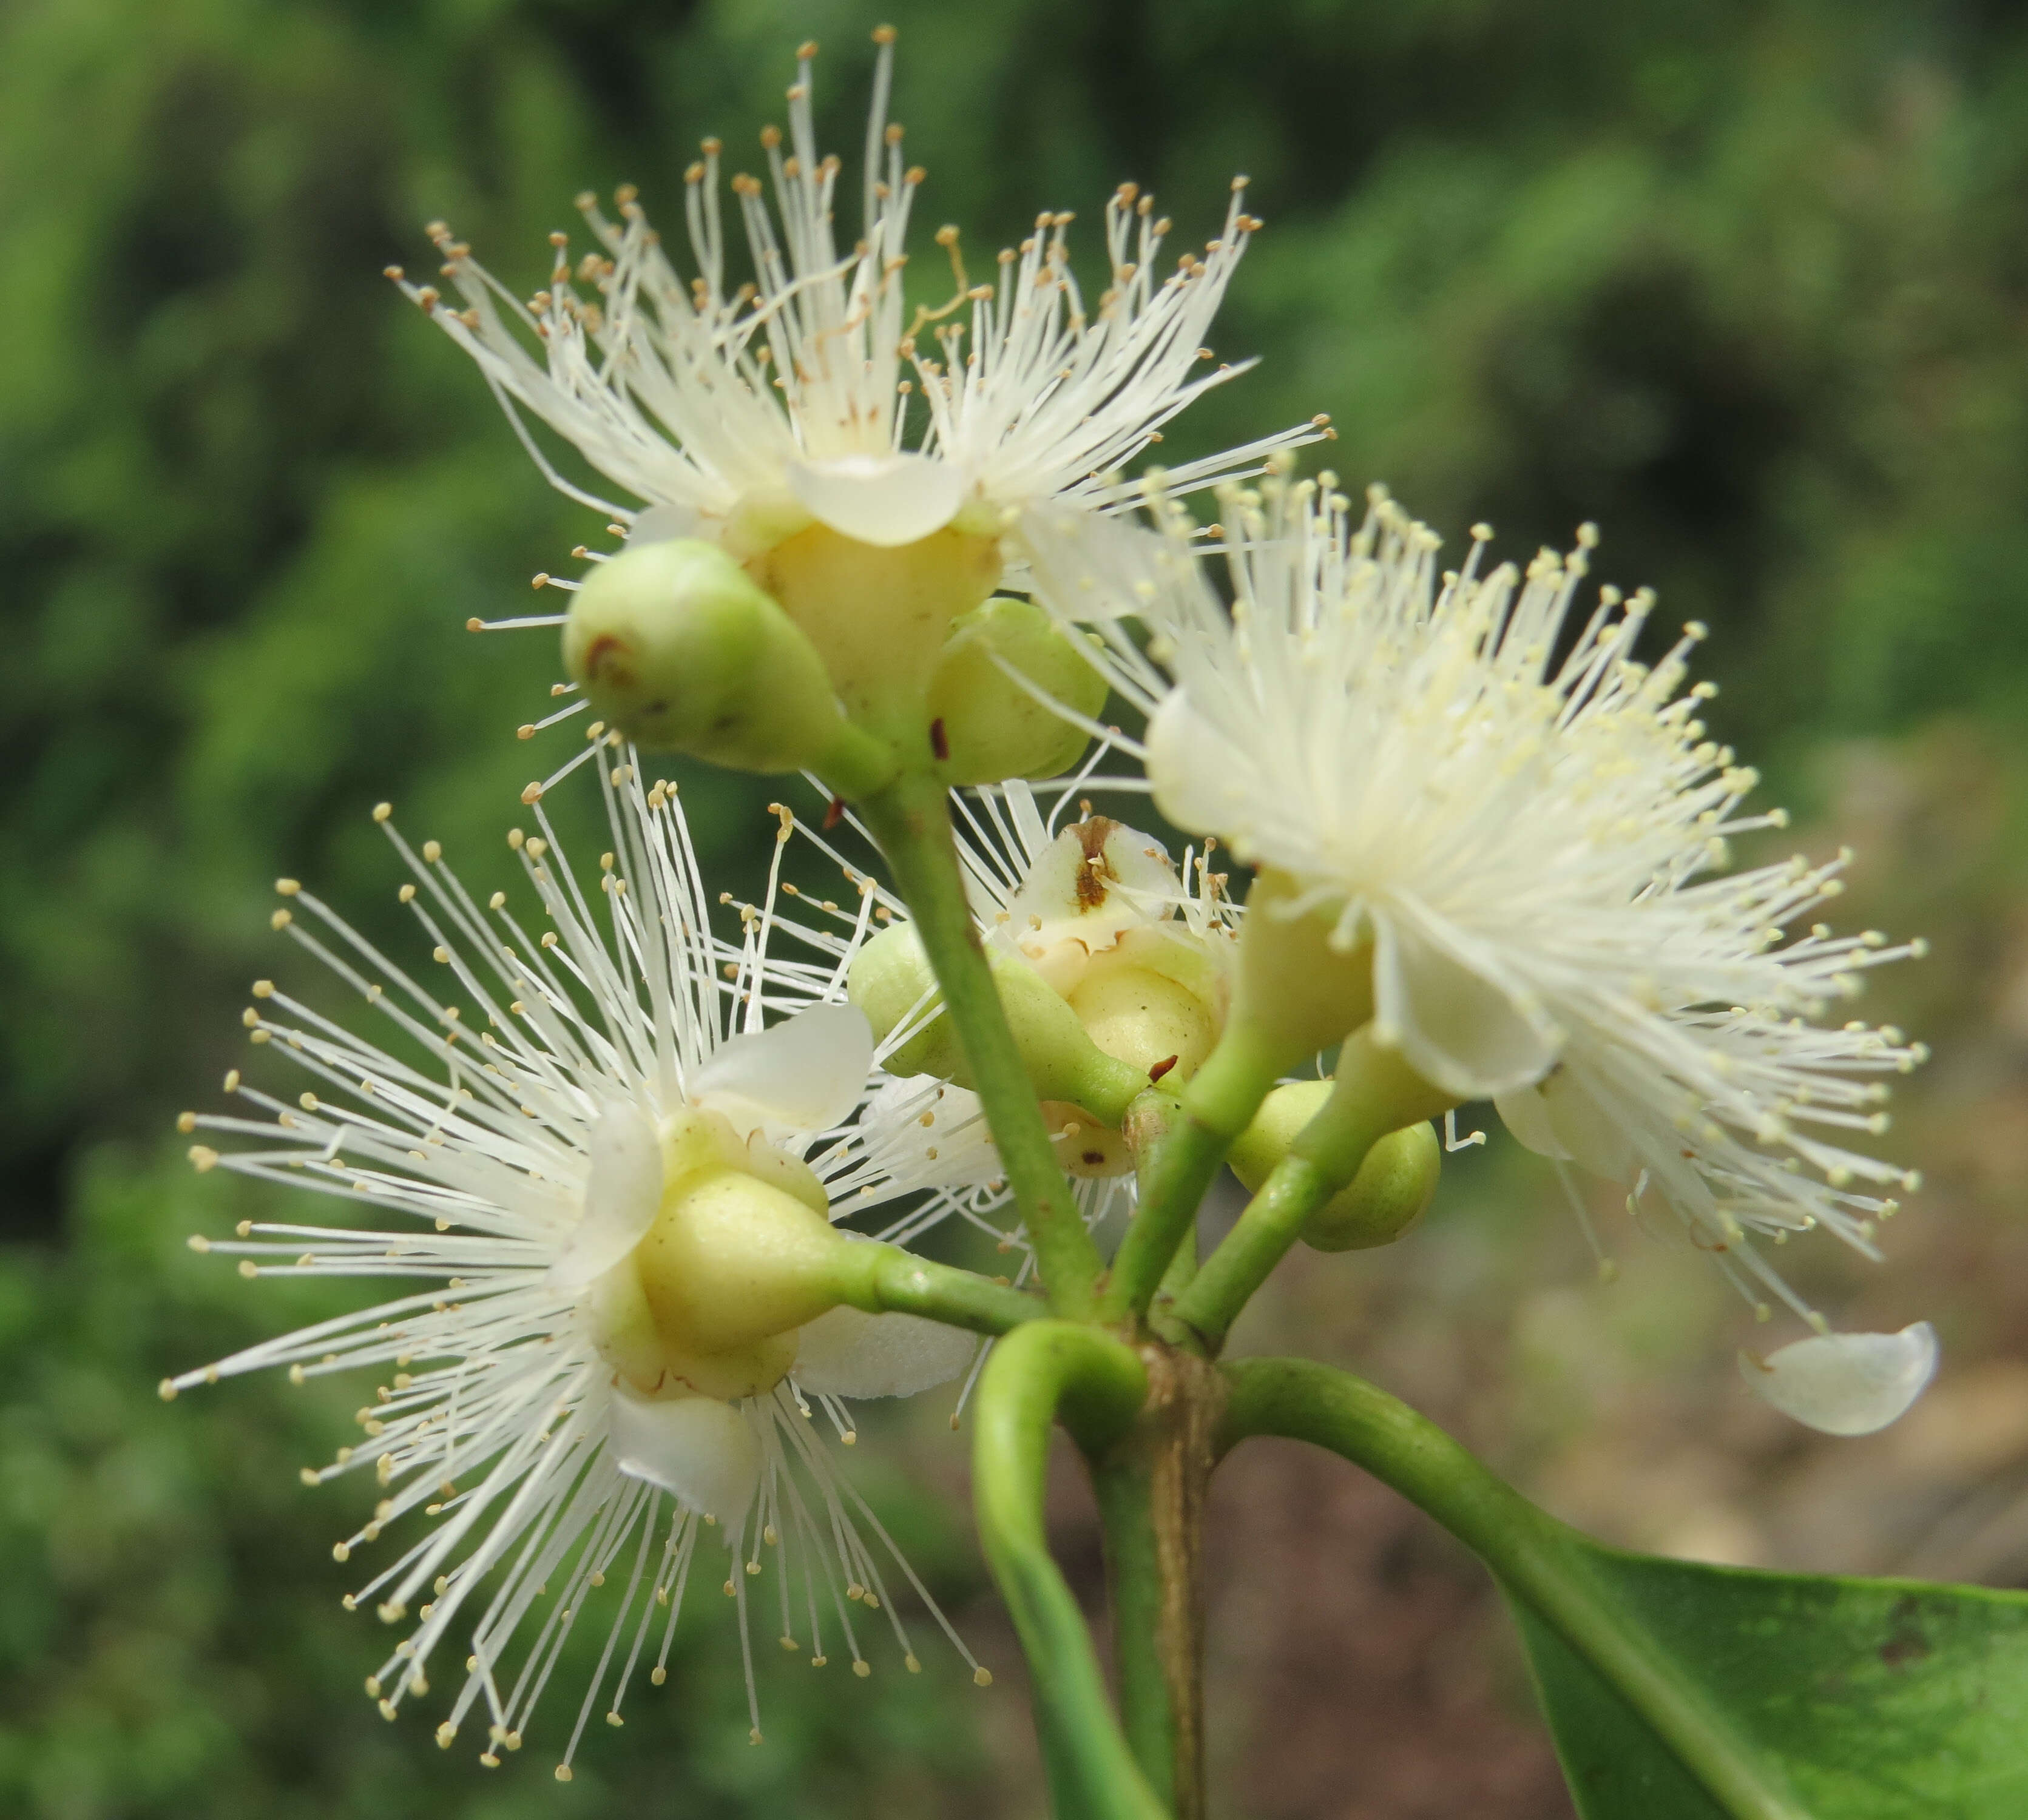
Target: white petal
(1587,1129)
(696,1448)
(803,1074)
(1847,1383)
(1088,566)
(662,524)
(849,1353)
(623,1193)
(1524,1114)
(879,499)
(1056,931)
(1458,1030)
(1199,777)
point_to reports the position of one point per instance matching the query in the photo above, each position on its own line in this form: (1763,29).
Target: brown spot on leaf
(1906,1642)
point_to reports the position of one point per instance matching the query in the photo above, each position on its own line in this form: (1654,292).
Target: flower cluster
(606,1152)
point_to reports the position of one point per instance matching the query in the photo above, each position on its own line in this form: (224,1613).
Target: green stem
(1134,1577)
(885,1279)
(1538,1560)
(1272,1222)
(911,821)
(1097,1384)
(1151,1485)
(1221,1098)
(1374,1092)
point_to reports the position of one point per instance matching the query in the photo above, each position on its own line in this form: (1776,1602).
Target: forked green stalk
(911,820)
(1217,1105)
(1097,1384)
(1272,1222)
(1535,1557)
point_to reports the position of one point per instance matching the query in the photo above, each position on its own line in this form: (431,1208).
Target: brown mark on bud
(1092,876)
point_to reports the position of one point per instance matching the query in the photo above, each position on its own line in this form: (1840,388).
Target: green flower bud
(1390,1193)
(677,648)
(992,728)
(890,979)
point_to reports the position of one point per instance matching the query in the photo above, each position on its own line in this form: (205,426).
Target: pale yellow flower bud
(990,727)
(1391,1193)
(891,981)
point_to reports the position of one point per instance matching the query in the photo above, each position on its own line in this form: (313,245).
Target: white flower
(1521,835)
(739,412)
(512,1152)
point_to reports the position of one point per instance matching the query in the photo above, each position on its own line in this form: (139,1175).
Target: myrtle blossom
(739,411)
(1522,836)
(505,1147)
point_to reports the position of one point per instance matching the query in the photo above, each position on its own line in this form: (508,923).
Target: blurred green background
(1748,284)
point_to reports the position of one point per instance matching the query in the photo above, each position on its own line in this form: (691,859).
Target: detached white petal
(622,1192)
(698,1449)
(803,1074)
(879,499)
(849,1353)
(1847,1383)
(1457,1029)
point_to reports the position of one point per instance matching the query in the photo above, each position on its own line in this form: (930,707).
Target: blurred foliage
(1747,283)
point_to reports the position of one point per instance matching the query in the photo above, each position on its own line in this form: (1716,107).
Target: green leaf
(1853,1699)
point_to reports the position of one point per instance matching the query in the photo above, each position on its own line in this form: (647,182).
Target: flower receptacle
(1296,991)
(879,615)
(731,1261)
